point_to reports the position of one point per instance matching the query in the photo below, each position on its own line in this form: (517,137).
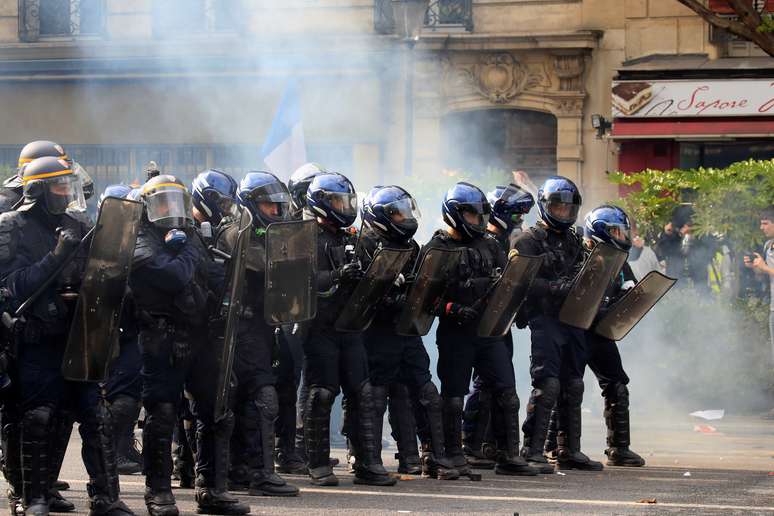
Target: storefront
(677,113)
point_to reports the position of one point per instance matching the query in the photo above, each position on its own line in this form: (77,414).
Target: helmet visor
(402,211)
(475,214)
(169,207)
(64,193)
(621,234)
(226,205)
(563,206)
(345,204)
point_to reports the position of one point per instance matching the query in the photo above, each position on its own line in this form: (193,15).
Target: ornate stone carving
(569,69)
(570,107)
(498,77)
(29,26)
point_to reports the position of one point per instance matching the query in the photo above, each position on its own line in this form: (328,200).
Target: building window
(172,18)
(441,15)
(60,18)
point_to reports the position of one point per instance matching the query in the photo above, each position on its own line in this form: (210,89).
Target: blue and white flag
(284,149)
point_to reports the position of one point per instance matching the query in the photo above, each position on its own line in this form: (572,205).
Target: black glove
(349,272)
(461,313)
(560,288)
(69,240)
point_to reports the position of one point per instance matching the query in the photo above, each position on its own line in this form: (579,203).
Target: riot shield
(380,276)
(509,293)
(589,287)
(93,340)
(230,309)
(429,283)
(291,269)
(624,315)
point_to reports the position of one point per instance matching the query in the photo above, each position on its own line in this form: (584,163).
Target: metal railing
(441,15)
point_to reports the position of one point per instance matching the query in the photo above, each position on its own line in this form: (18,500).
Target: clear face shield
(87,183)
(621,234)
(169,207)
(345,204)
(273,205)
(563,206)
(403,211)
(225,204)
(64,193)
(476,214)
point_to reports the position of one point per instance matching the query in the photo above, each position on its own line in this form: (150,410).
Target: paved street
(729,473)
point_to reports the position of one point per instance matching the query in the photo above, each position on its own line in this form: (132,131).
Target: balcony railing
(441,15)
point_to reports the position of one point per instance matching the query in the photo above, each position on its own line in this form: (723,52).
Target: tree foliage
(726,201)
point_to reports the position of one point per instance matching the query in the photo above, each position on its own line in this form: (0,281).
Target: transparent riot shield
(624,315)
(93,340)
(589,287)
(381,274)
(291,268)
(230,309)
(509,293)
(429,283)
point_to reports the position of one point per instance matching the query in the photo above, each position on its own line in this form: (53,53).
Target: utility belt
(166,337)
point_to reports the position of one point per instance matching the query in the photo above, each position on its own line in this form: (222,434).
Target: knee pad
(321,396)
(573,391)
(429,397)
(267,401)
(37,421)
(546,392)
(508,399)
(620,395)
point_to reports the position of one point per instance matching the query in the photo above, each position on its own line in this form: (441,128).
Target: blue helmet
(466,209)
(135,194)
(609,224)
(299,183)
(213,193)
(332,197)
(509,205)
(558,202)
(120,191)
(265,196)
(391,212)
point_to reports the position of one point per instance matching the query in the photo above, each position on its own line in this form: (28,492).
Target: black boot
(63,429)
(509,462)
(452,426)
(317,435)
(156,444)
(543,398)
(303,403)
(184,439)
(404,429)
(264,480)
(10,433)
(434,462)
(617,419)
(212,453)
(549,449)
(125,411)
(473,441)
(36,434)
(568,451)
(286,459)
(371,404)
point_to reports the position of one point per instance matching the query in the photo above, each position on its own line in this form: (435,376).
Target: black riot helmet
(266,197)
(299,183)
(167,202)
(41,149)
(52,184)
(466,209)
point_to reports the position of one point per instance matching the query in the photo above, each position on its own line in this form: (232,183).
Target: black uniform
(26,261)
(333,359)
(558,352)
(459,347)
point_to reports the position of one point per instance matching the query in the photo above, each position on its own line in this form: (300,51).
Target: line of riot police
(236,312)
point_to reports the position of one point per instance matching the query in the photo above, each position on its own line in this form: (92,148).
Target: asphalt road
(728,471)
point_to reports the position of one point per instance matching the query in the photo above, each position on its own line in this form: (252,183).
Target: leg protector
(617,419)
(317,434)
(125,410)
(452,427)
(37,426)
(549,449)
(435,464)
(286,459)
(478,421)
(404,429)
(568,454)
(541,401)
(10,432)
(507,419)
(264,480)
(371,404)
(156,443)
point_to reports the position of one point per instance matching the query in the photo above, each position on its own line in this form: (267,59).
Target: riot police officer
(334,359)
(399,366)
(174,283)
(255,396)
(610,224)
(42,240)
(123,388)
(509,206)
(460,349)
(558,351)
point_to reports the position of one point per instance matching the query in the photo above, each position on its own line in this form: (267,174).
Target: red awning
(638,128)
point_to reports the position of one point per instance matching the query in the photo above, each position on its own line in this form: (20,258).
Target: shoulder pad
(11,223)
(146,248)
(440,236)
(537,233)
(9,198)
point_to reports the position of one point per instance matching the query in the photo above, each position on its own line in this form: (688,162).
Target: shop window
(60,18)
(172,18)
